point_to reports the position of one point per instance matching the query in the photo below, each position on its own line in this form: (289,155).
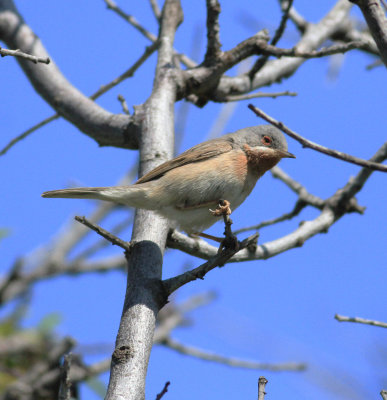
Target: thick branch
(377,23)
(106,128)
(144,296)
(213,41)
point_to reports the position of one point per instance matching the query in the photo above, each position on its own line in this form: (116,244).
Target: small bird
(184,189)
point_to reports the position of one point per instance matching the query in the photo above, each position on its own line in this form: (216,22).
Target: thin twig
(165,390)
(27,133)
(102,232)
(322,149)
(102,243)
(298,20)
(230,361)
(342,318)
(278,33)
(132,21)
(155,9)
(124,105)
(298,207)
(262,381)
(18,53)
(254,96)
(323,52)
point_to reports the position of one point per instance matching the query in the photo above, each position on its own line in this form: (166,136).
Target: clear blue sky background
(277,310)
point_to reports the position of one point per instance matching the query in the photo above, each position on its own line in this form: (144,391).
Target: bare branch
(296,187)
(27,133)
(230,361)
(323,52)
(298,207)
(132,21)
(377,23)
(144,293)
(298,20)
(105,234)
(102,90)
(342,318)
(276,70)
(155,9)
(124,105)
(213,40)
(165,390)
(279,32)
(18,53)
(172,284)
(255,96)
(104,127)
(262,381)
(322,149)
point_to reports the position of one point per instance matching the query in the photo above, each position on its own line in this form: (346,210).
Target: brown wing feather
(200,152)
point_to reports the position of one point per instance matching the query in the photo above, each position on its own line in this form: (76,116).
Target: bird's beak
(285,154)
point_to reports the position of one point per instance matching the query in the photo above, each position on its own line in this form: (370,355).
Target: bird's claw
(223,208)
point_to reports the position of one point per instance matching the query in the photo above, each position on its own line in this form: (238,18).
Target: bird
(184,190)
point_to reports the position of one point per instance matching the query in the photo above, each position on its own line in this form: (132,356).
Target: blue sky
(276,310)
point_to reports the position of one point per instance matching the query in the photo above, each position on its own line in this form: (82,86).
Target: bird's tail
(132,196)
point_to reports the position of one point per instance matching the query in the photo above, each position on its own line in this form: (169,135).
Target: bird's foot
(223,208)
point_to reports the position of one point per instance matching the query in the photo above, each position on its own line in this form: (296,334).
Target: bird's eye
(266,140)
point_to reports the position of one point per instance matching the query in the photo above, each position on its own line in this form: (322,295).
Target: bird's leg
(230,241)
(207,236)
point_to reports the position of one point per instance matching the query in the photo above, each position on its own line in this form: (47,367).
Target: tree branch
(105,234)
(262,381)
(172,284)
(322,149)
(165,390)
(230,361)
(377,23)
(18,53)
(342,318)
(144,295)
(278,33)
(213,41)
(149,35)
(106,128)
(276,70)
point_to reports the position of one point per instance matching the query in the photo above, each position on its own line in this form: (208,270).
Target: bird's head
(264,145)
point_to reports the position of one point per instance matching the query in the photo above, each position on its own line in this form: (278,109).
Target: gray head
(265,136)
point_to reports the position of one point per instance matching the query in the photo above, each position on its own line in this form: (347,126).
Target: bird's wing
(201,152)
